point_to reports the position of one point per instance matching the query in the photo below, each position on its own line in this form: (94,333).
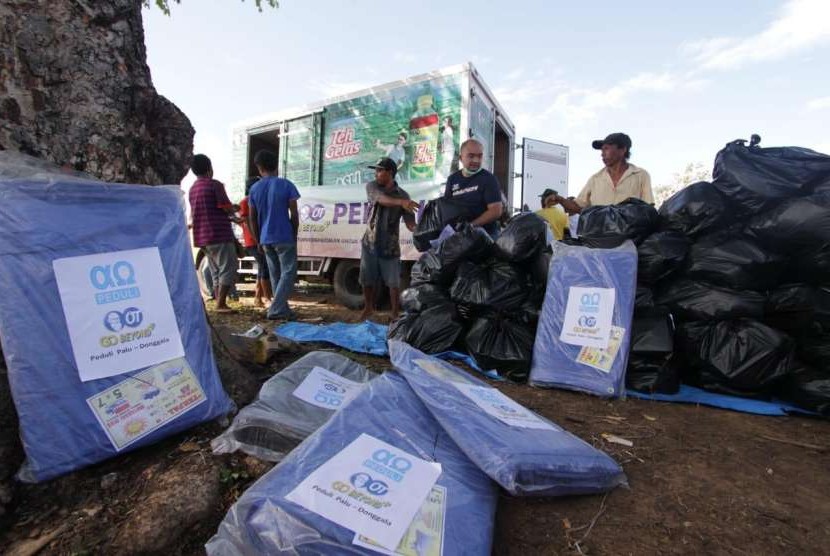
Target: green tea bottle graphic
(423,133)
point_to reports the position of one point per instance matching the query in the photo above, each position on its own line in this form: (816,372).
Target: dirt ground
(701,480)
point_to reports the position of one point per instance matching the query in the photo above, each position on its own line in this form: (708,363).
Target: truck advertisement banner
(416,125)
(333,220)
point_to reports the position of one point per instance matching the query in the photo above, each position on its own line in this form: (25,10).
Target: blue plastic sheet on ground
(565,365)
(365,337)
(690,394)
(531,457)
(262,521)
(43,219)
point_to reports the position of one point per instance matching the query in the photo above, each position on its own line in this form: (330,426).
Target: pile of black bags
(739,271)
(477,295)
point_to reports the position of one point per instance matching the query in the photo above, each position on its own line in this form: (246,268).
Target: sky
(681,78)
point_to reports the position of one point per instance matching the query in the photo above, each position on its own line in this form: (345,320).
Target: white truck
(325,148)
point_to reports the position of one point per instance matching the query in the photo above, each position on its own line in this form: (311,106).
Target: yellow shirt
(600,190)
(557,219)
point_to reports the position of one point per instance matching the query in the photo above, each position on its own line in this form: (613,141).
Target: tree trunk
(75,89)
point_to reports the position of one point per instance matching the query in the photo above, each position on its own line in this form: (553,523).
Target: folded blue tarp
(46,219)
(366,337)
(283,415)
(263,522)
(588,369)
(532,457)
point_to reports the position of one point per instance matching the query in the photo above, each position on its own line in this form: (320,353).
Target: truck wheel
(347,288)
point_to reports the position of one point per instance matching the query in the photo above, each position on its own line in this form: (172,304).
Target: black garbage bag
(794,225)
(696,209)
(502,344)
(537,268)
(812,267)
(653,374)
(435,215)
(798,309)
(632,219)
(808,388)
(661,254)
(432,331)
(495,285)
(644,302)
(430,270)
(737,357)
(814,349)
(468,243)
(691,300)
(734,261)
(757,179)
(524,237)
(424,296)
(652,335)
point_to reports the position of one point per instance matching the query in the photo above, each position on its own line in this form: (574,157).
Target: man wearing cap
(553,215)
(615,183)
(380,257)
(476,188)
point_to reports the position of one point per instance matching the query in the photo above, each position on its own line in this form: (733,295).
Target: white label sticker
(370,487)
(425,536)
(588,317)
(144,402)
(494,403)
(327,390)
(118,311)
(602,359)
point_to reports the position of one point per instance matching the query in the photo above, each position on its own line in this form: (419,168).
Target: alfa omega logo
(115,321)
(313,212)
(120,274)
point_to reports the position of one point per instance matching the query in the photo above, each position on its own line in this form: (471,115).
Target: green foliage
(227,475)
(164,5)
(693,172)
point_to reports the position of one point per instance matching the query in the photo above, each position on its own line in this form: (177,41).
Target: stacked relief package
(101,320)
(456,517)
(584,333)
(524,453)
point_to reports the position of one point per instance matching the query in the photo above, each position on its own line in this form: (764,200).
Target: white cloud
(821,147)
(801,24)
(819,103)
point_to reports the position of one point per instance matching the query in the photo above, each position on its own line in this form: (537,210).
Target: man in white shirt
(617,181)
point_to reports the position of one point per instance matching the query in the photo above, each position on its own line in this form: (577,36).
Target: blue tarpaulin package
(69,420)
(526,454)
(457,520)
(293,404)
(585,325)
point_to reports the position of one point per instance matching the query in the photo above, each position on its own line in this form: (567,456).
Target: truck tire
(347,290)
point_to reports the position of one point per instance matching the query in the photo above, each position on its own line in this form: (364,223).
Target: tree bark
(75,89)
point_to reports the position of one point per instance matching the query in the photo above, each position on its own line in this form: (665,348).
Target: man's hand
(570,206)
(409,205)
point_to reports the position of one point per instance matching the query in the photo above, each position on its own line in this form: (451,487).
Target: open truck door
(544,166)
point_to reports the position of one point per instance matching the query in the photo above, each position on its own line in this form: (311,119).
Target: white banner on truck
(544,166)
(334,218)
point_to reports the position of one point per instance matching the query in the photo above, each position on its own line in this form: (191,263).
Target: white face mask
(471,173)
